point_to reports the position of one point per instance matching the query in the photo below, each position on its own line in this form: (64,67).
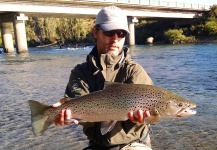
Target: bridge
(16,12)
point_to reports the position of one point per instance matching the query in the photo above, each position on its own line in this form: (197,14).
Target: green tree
(50,25)
(30,32)
(206,25)
(210,27)
(49,30)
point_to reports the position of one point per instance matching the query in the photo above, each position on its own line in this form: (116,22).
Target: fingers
(147,113)
(138,116)
(64,115)
(60,118)
(131,116)
(67,116)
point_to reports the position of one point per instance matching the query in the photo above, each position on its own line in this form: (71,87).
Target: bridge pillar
(131,22)
(6,33)
(20,33)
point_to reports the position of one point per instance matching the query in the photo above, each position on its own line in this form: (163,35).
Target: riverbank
(197,40)
(207,40)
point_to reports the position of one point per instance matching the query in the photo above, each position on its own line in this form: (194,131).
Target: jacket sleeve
(76,85)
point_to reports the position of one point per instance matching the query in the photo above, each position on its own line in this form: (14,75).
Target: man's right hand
(63,115)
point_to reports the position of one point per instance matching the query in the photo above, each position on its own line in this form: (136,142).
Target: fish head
(174,106)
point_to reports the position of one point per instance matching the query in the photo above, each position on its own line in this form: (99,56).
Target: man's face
(112,45)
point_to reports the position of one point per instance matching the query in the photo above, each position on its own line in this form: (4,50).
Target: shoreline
(207,40)
(198,40)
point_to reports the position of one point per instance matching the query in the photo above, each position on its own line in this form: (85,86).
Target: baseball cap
(112,18)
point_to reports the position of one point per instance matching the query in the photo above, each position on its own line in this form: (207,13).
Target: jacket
(91,75)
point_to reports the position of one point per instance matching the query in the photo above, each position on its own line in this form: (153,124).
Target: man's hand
(64,114)
(139,116)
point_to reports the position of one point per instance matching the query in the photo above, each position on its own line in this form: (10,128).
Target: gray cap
(112,18)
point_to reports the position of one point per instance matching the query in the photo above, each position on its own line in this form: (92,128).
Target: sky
(204,2)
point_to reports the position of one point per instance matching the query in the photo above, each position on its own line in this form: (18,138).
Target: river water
(42,74)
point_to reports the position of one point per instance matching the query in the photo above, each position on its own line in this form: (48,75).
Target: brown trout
(113,104)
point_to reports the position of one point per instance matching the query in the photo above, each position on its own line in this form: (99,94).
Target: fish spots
(51,111)
(180,105)
(119,99)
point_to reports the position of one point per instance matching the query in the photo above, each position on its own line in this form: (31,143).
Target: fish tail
(40,122)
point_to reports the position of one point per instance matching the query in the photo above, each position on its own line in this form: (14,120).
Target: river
(42,74)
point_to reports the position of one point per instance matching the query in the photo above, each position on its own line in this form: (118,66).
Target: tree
(213,11)
(207,24)
(50,30)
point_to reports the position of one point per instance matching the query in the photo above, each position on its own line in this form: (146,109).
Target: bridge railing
(159,3)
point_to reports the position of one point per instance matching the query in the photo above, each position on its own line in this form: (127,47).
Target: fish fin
(152,119)
(40,122)
(107,127)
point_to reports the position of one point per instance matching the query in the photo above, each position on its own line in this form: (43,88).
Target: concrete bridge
(16,12)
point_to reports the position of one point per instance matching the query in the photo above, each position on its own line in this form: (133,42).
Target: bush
(176,36)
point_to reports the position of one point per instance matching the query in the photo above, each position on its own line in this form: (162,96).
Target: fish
(113,104)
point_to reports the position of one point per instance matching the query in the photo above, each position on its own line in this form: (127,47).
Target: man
(109,61)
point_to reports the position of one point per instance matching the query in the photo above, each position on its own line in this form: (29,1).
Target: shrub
(176,36)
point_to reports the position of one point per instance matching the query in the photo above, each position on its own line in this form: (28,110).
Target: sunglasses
(120,33)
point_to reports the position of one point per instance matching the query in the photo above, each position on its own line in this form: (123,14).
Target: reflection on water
(42,74)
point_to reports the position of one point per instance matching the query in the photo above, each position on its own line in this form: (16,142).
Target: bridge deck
(89,8)
(157,4)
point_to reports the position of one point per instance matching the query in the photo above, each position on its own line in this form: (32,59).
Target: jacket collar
(106,60)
